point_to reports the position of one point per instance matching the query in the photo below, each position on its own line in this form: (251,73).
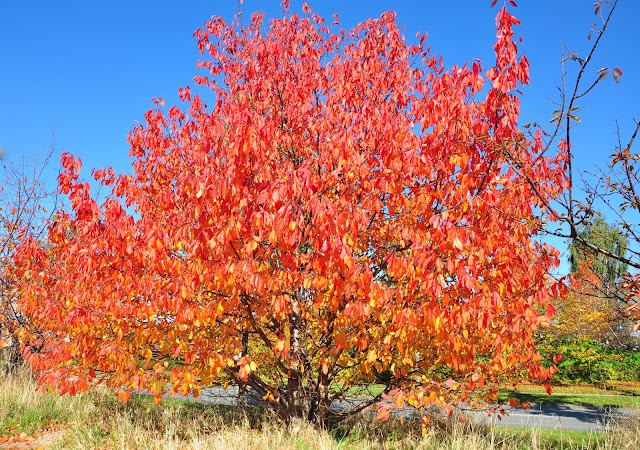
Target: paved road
(562,417)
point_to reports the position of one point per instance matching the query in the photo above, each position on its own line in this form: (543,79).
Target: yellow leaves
(349,240)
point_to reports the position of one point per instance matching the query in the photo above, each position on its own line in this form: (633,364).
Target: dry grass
(97,420)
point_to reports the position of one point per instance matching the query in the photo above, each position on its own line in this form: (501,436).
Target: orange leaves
(246,367)
(384,412)
(279,304)
(124,396)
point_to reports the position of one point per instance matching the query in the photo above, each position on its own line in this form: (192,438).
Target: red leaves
(616,73)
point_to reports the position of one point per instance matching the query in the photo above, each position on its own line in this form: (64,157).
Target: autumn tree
(345,201)
(27,201)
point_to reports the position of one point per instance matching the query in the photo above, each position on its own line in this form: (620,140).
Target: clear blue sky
(87,70)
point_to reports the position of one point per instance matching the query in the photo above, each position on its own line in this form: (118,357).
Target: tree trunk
(13,357)
(242,397)
(295,389)
(322,408)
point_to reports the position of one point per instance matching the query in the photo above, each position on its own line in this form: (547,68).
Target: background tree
(597,297)
(612,186)
(587,312)
(346,202)
(609,270)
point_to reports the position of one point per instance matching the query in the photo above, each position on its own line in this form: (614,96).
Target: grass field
(626,395)
(97,420)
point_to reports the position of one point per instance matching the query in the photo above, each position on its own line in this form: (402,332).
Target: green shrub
(584,360)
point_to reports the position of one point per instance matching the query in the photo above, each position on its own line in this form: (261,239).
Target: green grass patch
(560,439)
(368,390)
(608,400)
(617,388)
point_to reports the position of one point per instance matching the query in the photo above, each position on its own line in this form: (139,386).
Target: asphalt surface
(561,417)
